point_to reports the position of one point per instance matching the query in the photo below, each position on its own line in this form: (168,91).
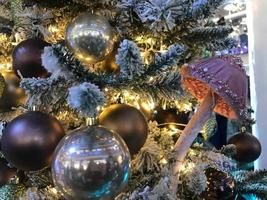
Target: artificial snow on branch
(162,190)
(207,33)
(16,7)
(6,23)
(167,85)
(196,179)
(155,92)
(133,74)
(79,72)
(166,60)
(50,62)
(129,60)
(160,15)
(204,7)
(46,94)
(169,79)
(251,182)
(148,158)
(220,44)
(85,98)
(228,150)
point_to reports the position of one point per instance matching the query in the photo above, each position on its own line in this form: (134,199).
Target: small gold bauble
(109,64)
(2,84)
(90,37)
(12,95)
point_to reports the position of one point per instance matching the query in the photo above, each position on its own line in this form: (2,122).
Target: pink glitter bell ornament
(220,84)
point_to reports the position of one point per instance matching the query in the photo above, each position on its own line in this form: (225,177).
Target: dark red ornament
(248,147)
(27,58)
(6,172)
(171,118)
(221,186)
(128,122)
(29,140)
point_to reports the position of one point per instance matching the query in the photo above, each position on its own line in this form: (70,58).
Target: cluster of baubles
(87,163)
(91,162)
(89,36)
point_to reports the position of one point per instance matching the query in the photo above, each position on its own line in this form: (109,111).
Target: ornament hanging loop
(90,121)
(243,129)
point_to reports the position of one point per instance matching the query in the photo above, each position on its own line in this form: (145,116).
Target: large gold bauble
(128,122)
(90,37)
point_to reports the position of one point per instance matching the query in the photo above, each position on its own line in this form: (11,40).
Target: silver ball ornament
(91,163)
(90,37)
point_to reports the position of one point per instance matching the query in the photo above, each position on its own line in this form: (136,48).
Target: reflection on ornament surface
(90,37)
(91,163)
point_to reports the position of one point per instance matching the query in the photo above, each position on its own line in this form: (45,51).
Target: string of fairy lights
(149,46)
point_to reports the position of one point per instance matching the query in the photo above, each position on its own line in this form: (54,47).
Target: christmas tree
(96,96)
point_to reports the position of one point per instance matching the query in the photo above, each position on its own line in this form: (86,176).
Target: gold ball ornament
(171,118)
(12,95)
(2,85)
(90,37)
(11,79)
(128,122)
(109,64)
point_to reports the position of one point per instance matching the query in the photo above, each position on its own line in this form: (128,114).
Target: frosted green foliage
(46,94)
(252,182)
(162,190)
(129,60)
(209,127)
(229,150)
(204,7)
(206,34)
(159,15)
(166,60)
(85,98)
(148,157)
(196,179)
